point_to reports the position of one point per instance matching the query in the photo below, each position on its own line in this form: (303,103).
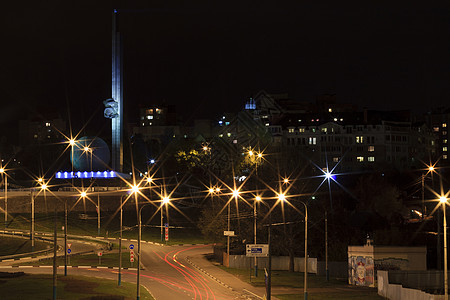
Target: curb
(206,273)
(74,267)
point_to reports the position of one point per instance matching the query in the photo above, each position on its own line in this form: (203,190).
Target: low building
(364,261)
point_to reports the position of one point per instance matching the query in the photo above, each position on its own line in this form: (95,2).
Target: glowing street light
(282,197)
(83,194)
(285,180)
(72,142)
(211,190)
(135,189)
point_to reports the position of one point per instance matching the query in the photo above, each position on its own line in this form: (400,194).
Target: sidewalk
(231,281)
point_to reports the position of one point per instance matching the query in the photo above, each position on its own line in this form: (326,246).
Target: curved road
(165,273)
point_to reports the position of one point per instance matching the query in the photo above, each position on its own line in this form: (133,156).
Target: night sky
(209,57)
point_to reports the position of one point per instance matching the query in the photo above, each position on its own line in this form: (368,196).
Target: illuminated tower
(114,106)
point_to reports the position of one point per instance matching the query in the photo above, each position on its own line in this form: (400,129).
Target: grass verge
(318,287)
(70,287)
(107,260)
(19,245)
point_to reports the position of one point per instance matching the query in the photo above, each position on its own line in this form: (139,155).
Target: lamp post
(429,169)
(3,172)
(165,201)
(443,201)
(306,252)
(55,247)
(98,212)
(32,221)
(138,292)
(257,199)
(235,196)
(282,197)
(120,241)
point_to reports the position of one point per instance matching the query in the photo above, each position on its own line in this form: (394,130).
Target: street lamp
(120,241)
(429,169)
(235,196)
(282,197)
(257,199)
(3,172)
(138,293)
(443,200)
(164,201)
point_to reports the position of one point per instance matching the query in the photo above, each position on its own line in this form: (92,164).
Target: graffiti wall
(361,270)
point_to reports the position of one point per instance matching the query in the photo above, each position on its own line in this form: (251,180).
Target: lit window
(371,159)
(336,159)
(267,124)
(220,135)
(436,129)
(291,130)
(444,156)
(35,136)
(324,129)
(444,124)
(371,148)
(312,140)
(47,124)
(330,110)
(228,134)
(444,149)
(359,139)
(143,124)
(149,117)
(444,141)
(301,130)
(360,158)
(313,130)
(444,132)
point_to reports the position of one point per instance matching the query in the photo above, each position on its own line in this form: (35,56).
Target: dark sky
(211,57)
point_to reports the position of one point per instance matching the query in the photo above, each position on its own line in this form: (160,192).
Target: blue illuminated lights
(86,174)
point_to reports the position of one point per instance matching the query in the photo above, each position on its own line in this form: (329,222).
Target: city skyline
(207,58)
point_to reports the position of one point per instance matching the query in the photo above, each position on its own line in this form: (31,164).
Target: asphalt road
(166,273)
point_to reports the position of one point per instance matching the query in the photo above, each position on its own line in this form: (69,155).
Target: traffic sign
(131,246)
(131,259)
(69,245)
(228,233)
(257,250)
(99,253)
(131,252)
(68,250)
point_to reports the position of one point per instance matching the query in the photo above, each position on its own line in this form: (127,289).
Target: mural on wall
(361,270)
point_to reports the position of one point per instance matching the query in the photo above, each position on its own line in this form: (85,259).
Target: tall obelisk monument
(117,95)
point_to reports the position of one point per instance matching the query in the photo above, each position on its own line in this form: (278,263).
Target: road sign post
(166,231)
(99,257)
